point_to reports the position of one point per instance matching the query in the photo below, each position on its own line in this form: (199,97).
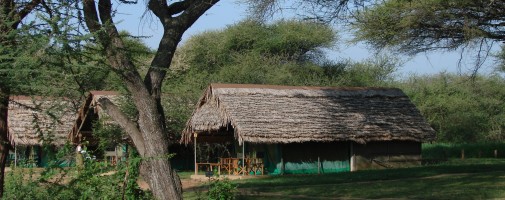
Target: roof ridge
(289,87)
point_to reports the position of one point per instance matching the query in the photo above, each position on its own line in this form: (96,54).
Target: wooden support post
(282,166)
(496,153)
(318,165)
(243,158)
(15,155)
(195,135)
(282,160)
(462,154)
(353,158)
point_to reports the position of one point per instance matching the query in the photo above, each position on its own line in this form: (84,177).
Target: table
(210,166)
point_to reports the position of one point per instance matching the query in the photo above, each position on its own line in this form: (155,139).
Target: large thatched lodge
(311,129)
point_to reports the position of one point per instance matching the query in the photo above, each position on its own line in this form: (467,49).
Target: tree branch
(159,8)
(27,9)
(104,11)
(91,16)
(178,7)
(126,124)
(173,31)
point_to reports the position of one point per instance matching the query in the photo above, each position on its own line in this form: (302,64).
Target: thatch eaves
(286,114)
(39,120)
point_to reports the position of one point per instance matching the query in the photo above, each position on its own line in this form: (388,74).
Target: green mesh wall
(311,167)
(302,158)
(335,166)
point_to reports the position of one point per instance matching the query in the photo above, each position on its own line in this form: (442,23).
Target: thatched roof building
(89,112)
(37,120)
(287,114)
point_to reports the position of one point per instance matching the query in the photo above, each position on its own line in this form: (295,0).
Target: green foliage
(21,184)
(293,40)
(94,180)
(222,190)
(417,26)
(378,71)
(460,109)
(471,150)
(108,135)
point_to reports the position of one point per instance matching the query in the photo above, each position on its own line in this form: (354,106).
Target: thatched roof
(90,110)
(286,114)
(38,120)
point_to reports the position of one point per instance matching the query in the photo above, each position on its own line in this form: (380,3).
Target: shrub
(222,190)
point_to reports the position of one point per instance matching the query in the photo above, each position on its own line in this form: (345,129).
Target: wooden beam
(215,138)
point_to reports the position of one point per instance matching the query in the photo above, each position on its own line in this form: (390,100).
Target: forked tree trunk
(150,136)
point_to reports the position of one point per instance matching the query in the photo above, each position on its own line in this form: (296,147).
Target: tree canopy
(418,26)
(461,111)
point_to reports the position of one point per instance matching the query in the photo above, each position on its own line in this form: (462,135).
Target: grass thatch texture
(37,120)
(285,114)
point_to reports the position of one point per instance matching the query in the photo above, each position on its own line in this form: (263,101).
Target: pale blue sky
(228,12)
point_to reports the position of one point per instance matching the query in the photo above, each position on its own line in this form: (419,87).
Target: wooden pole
(282,165)
(243,158)
(496,153)
(462,154)
(194,144)
(318,165)
(352,161)
(282,160)
(15,155)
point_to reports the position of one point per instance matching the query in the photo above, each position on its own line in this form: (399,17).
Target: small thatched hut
(88,114)
(312,129)
(36,121)
(83,132)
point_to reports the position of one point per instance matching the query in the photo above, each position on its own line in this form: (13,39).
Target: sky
(137,21)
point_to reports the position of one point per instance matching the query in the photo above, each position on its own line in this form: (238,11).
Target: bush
(475,150)
(94,180)
(222,190)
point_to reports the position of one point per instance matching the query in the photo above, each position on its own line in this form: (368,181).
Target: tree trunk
(4,139)
(164,184)
(162,179)
(176,18)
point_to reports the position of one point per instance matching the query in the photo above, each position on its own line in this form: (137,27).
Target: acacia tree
(11,14)
(407,26)
(327,11)
(419,26)
(148,133)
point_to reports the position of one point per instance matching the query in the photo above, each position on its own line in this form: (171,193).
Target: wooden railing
(236,166)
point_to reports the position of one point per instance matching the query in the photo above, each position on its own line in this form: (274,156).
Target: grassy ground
(455,179)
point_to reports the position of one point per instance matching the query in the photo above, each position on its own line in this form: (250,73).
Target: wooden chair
(258,165)
(237,169)
(225,164)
